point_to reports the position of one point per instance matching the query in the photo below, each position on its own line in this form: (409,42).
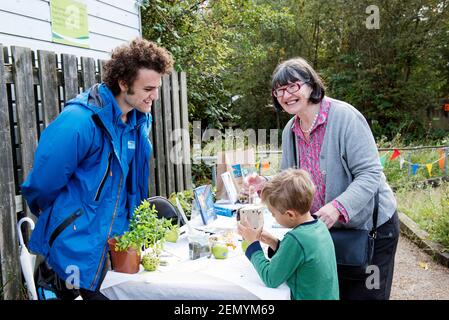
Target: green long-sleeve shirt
(305,259)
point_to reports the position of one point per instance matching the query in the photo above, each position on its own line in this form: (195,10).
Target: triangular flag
(442,159)
(415,168)
(257,165)
(401,162)
(382,160)
(266,166)
(429,168)
(395,154)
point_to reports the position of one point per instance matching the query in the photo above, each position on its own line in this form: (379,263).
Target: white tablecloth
(200,279)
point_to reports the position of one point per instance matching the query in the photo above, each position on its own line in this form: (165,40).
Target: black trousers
(69,294)
(374,283)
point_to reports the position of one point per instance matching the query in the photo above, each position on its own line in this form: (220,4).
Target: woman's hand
(253,180)
(247,232)
(328,214)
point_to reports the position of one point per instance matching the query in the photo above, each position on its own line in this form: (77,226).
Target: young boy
(305,258)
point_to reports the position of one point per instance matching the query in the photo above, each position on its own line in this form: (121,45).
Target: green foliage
(393,74)
(185,199)
(183,28)
(429,208)
(229,48)
(145,229)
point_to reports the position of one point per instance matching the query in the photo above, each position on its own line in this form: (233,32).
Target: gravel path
(412,281)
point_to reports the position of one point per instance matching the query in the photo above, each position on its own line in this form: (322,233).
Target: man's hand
(328,214)
(247,232)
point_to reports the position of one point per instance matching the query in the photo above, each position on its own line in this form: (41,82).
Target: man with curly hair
(91,168)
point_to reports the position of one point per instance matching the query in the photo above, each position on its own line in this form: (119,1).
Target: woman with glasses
(333,142)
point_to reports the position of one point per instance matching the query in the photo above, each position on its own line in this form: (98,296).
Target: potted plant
(125,252)
(146,232)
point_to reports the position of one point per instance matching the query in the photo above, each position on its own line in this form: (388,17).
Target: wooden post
(9,252)
(176,134)
(101,63)
(168,128)
(26,111)
(158,147)
(187,166)
(152,177)
(88,72)
(48,74)
(70,76)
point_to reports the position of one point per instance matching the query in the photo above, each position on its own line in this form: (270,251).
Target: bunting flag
(258,166)
(266,165)
(382,160)
(429,168)
(401,162)
(395,154)
(442,159)
(415,166)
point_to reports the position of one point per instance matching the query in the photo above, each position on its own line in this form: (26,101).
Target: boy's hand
(247,232)
(328,214)
(269,239)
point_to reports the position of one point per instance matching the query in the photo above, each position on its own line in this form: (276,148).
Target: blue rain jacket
(81,189)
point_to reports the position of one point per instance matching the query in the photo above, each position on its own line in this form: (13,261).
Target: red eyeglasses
(290,88)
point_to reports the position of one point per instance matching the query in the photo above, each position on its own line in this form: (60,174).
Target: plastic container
(198,245)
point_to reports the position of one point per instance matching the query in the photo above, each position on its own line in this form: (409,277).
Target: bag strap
(294,149)
(375,213)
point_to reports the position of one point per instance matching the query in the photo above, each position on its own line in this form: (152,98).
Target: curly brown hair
(128,59)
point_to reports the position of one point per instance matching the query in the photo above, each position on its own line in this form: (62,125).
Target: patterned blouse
(309,155)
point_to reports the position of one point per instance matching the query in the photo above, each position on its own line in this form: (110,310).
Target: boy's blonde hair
(292,189)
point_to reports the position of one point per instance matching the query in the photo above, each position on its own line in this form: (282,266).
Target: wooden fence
(33,90)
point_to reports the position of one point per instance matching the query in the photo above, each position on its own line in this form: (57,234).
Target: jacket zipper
(109,232)
(63,225)
(103,180)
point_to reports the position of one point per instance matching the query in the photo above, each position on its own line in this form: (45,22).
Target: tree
(229,49)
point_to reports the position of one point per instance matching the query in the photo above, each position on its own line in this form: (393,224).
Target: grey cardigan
(350,165)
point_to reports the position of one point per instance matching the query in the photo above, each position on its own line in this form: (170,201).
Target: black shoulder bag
(353,247)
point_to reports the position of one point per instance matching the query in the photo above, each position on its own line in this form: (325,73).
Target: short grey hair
(298,69)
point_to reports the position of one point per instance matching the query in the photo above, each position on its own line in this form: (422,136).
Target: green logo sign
(69,23)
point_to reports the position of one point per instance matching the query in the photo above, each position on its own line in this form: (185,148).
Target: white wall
(27,23)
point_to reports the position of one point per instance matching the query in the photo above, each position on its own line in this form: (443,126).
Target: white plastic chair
(27,260)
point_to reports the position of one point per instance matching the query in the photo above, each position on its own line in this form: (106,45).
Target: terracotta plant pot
(124,261)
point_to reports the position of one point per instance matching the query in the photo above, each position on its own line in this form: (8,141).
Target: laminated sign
(69,23)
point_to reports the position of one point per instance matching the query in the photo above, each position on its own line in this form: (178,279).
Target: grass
(429,208)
